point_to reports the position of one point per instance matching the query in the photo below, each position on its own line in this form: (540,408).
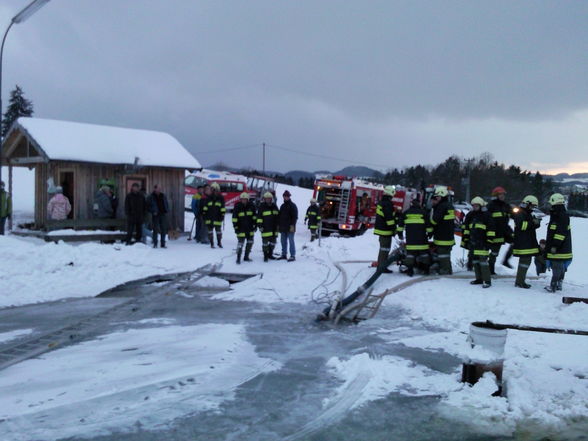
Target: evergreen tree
(18,106)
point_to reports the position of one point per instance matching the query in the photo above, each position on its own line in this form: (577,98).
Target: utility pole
(263,144)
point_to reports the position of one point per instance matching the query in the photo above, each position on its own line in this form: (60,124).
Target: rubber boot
(239,249)
(522,269)
(211,239)
(248,251)
(219,237)
(478,273)
(505,261)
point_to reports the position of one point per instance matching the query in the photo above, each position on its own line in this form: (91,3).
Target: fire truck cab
(348,205)
(231,185)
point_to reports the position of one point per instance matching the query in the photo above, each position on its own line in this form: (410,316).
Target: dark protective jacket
(385,217)
(135,207)
(415,225)
(500,213)
(481,231)
(313,216)
(244,219)
(525,237)
(559,234)
(288,216)
(214,210)
(268,219)
(465,230)
(443,221)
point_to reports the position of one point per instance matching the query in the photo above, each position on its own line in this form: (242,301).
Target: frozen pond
(268,374)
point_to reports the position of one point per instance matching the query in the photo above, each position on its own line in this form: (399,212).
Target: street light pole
(22,16)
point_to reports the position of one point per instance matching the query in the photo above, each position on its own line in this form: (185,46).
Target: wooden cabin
(79,157)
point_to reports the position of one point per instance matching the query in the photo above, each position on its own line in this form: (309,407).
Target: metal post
(263,158)
(1,108)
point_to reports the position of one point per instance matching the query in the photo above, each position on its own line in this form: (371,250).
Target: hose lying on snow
(330,312)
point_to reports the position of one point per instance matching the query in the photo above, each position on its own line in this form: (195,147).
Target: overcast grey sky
(384,83)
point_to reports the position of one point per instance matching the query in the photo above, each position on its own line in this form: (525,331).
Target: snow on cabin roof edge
(83,142)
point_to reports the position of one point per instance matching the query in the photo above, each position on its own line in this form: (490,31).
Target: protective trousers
(482,268)
(248,246)
(444,256)
(268,245)
(524,263)
(219,235)
(494,251)
(419,258)
(385,245)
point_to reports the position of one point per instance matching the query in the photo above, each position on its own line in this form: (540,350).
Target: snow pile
(141,377)
(5,337)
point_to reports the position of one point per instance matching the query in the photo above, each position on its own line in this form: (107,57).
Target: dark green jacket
(415,225)
(385,217)
(443,221)
(313,216)
(525,236)
(5,204)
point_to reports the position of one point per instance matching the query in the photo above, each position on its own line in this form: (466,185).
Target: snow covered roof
(73,141)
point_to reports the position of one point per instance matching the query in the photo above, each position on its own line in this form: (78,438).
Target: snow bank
(124,380)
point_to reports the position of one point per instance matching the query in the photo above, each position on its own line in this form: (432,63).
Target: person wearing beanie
(287,224)
(58,207)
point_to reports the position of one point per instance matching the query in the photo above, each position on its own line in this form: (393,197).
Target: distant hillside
(360,171)
(295,175)
(567,176)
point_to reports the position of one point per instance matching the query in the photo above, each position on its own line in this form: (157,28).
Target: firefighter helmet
(441,191)
(530,199)
(268,195)
(478,201)
(498,190)
(389,190)
(215,186)
(557,199)
(244,195)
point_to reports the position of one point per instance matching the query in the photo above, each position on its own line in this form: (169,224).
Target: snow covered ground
(546,375)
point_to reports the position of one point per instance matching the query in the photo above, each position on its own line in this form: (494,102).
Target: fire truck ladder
(344,205)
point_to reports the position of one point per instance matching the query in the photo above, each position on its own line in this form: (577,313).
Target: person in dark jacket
(158,207)
(443,221)
(465,239)
(203,233)
(525,244)
(287,225)
(103,208)
(267,222)
(312,219)
(414,225)
(500,211)
(385,226)
(245,224)
(481,235)
(214,214)
(195,206)
(135,210)
(558,243)
(5,207)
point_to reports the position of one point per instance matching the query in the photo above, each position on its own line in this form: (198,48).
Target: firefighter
(558,244)
(245,224)
(525,239)
(481,236)
(385,226)
(267,222)
(214,214)
(443,221)
(500,211)
(414,225)
(312,219)
(465,239)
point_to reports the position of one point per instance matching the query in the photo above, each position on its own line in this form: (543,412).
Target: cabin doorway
(140,180)
(66,181)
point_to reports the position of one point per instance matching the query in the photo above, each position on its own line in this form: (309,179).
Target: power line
(229,149)
(316,155)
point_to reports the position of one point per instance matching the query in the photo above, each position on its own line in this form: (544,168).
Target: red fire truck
(231,185)
(348,205)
